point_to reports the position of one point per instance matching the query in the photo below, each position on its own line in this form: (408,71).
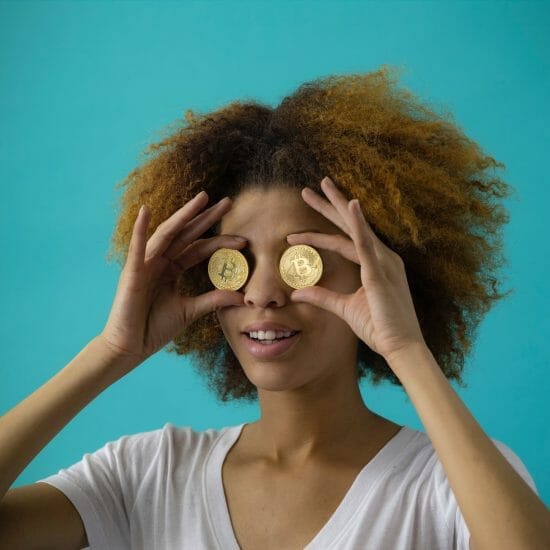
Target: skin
(309,398)
(311,407)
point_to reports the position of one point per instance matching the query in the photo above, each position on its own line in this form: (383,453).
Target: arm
(500,509)
(147,313)
(38,515)
(27,428)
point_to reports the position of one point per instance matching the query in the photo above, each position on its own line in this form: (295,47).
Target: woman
(397,300)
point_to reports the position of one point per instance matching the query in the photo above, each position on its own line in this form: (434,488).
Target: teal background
(85,86)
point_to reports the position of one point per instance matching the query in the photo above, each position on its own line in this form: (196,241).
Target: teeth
(269,334)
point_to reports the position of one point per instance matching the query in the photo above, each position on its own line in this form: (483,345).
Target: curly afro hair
(428,191)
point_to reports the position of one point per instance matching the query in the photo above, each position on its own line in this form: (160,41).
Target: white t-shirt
(163,490)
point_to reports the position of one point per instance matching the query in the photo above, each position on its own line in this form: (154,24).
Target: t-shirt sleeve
(449,506)
(103,485)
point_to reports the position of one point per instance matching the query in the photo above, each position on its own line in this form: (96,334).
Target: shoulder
(415,470)
(176,440)
(169,434)
(422,455)
(134,460)
(135,456)
(426,472)
(440,478)
(419,460)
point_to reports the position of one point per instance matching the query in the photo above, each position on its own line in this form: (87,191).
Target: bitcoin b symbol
(227,270)
(301,267)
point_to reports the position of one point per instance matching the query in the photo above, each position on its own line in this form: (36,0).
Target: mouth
(268,346)
(268,337)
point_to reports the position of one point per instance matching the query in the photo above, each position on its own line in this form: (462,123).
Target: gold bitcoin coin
(228,269)
(301,266)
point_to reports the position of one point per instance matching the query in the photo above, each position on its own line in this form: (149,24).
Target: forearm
(27,428)
(500,509)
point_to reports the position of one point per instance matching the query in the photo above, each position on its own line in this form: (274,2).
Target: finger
(165,232)
(201,249)
(341,204)
(371,270)
(336,197)
(197,227)
(138,241)
(195,253)
(325,208)
(322,298)
(336,243)
(214,300)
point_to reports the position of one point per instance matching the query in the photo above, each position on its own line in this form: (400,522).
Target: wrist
(111,359)
(404,359)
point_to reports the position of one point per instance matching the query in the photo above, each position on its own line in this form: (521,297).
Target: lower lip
(269,351)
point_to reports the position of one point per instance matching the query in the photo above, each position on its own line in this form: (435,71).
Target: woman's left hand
(381,311)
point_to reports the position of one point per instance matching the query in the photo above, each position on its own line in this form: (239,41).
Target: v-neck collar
(334,528)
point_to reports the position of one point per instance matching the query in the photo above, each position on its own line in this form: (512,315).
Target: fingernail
(328,180)
(242,239)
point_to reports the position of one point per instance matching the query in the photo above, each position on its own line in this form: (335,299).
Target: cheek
(231,320)
(324,327)
(345,278)
(224,319)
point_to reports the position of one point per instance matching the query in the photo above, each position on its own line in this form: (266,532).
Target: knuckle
(398,258)
(163,230)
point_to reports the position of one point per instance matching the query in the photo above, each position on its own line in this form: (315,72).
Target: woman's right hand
(148,312)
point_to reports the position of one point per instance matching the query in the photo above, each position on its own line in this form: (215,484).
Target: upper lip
(265,325)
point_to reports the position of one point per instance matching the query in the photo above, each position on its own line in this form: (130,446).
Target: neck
(299,425)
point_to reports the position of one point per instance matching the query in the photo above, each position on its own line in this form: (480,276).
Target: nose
(265,286)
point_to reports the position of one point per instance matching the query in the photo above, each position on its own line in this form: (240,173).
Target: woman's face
(324,344)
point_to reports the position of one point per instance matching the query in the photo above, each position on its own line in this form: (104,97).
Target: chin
(272,376)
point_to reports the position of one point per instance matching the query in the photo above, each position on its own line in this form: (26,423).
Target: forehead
(275,212)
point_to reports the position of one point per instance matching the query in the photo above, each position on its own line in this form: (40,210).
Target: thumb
(214,300)
(320,297)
